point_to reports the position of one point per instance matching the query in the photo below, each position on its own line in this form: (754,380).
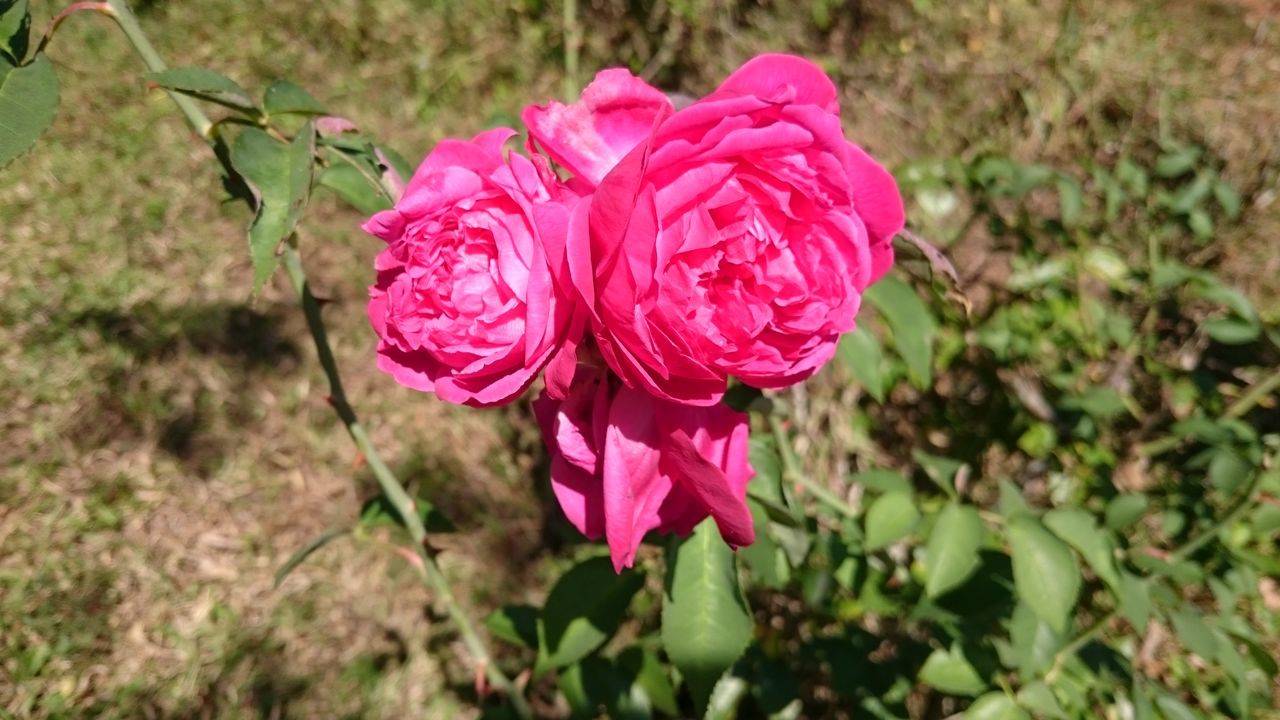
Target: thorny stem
(128,24)
(387,480)
(390,485)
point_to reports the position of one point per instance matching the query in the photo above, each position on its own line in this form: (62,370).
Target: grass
(166,441)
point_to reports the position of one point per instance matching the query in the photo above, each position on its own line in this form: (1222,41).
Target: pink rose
(734,238)
(624,462)
(465,305)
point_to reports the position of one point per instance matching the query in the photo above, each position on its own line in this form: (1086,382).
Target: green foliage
(15,30)
(28,102)
(952,552)
(583,610)
(890,518)
(279,174)
(352,186)
(284,98)
(910,323)
(205,84)
(705,621)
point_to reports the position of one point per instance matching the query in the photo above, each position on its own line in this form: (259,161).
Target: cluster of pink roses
(732,237)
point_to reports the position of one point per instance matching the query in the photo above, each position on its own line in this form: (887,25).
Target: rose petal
(633,487)
(782,78)
(616,112)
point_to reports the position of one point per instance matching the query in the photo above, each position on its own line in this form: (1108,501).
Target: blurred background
(166,444)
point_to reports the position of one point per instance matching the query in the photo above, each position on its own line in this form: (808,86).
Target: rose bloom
(733,237)
(624,462)
(464,304)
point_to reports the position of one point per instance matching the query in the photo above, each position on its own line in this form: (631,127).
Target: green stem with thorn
(387,481)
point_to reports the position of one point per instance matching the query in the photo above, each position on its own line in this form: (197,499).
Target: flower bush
(1084,464)
(730,238)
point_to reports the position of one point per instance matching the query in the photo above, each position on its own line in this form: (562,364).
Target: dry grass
(167,445)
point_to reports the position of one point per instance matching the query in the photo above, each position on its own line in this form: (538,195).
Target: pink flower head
(735,238)
(624,462)
(465,305)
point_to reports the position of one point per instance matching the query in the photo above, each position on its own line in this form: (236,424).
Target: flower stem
(387,480)
(390,485)
(128,24)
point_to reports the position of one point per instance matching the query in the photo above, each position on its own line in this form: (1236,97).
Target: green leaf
(283,96)
(765,487)
(952,551)
(1097,402)
(725,698)
(516,624)
(28,103)
(1124,510)
(882,481)
(705,621)
(1039,699)
(1228,471)
(1232,330)
(353,187)
(1189,196)
(648,673)
(1171,708)
(1133,177)
(995,706)
(1142,707)
(1195,634)
(1229,657)
(15,28)
(910,323)
(205,84)
(1010,502)
(1080,530)
(1034,643)
(951,672)
(1228,199)
(1260,656)
(861,353)
(1045,574)
(305,552)
(596,687)
(889,519)
(1070,200)
(941,470)
(1184,572)
(763,558)
(1134,594)
(1039,440)
(1177,161)
(1201,224)
(582,611)
(279,175)
(767,463)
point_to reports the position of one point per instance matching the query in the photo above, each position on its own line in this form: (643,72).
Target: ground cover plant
(1045,490)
